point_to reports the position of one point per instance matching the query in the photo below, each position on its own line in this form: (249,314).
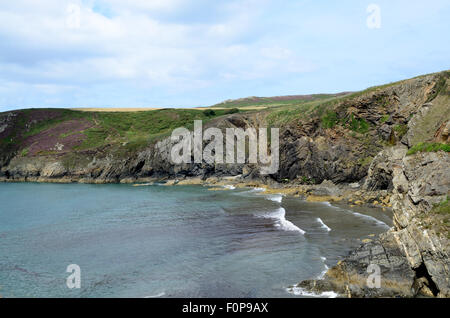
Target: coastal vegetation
(428,147)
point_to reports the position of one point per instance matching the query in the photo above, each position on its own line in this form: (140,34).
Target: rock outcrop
(413,256)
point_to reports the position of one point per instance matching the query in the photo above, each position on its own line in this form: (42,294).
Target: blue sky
(183,53)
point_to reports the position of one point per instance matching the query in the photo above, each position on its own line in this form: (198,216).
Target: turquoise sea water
(157,241)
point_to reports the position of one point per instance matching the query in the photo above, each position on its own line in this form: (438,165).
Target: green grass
(401,130)
(438,218)
(323,107)
(24,152)
(287,114)
(358,125)
(273,101)
(428,147)
(384,119)
(329,120)
(135,130)
(365,161)
(443,207)
(121,132)
(440,85)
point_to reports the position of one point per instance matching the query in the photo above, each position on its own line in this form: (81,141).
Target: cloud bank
(151,53)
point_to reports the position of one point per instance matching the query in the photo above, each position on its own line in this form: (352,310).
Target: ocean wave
(230,187)
(156,296)
(323,225)
(368,217)
(298,291)
(322,274)
(250,191)
(257,190)
(275,198)
(326,203)
(280,221)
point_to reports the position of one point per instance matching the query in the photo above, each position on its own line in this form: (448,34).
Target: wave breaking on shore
(323,225)
(280,221)
(298,291)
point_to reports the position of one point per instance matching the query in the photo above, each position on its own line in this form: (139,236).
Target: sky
(189,53)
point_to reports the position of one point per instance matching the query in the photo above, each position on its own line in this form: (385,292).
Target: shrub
(428,147)
(443,207)
(437,88)
(384,119)
(358,125)
(401,130)
(24,152)
(329,120)
(232,111)
(209,112)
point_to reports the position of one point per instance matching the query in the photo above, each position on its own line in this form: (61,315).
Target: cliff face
(386,138)
(420,183)
(413,256)
(334,141)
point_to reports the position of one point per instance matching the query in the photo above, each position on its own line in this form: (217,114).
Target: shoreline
(349,195)
(347,278)
(273,231)
(344,196)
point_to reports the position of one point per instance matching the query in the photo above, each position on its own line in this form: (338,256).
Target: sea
(169,241)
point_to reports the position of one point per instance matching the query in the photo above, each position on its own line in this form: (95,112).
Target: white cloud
(160,48)
(91,47)
(277,53)
(134,5)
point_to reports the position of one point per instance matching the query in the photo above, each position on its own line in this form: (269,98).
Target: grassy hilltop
(42,132)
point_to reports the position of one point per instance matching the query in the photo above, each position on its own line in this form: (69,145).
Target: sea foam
(364,216)
(280,221)
(275,198)
(156,296)
(258,190)
(298,291)
(323,225)
(322,274)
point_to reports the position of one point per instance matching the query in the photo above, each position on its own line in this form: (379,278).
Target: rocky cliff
(413,256)
(392,138)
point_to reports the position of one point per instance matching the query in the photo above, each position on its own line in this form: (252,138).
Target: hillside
(275,101)
(64,134)
(387,146)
